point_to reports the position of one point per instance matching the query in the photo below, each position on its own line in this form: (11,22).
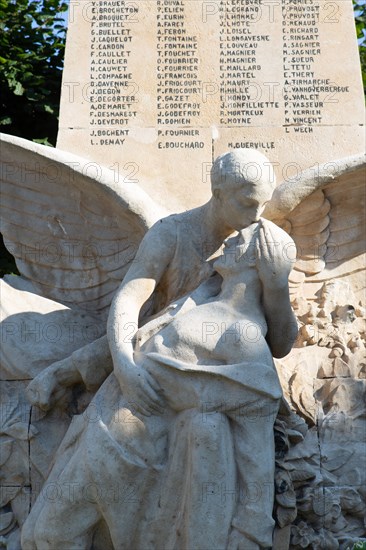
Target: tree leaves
(360,21)
(32,43)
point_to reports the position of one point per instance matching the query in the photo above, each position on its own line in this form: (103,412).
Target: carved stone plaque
(155,88)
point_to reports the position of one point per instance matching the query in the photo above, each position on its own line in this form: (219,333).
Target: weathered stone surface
(204,382)
(180,82)
(331,343)
(298,98)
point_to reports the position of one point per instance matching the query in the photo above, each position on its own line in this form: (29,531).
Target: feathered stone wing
(323,209)
(72,226)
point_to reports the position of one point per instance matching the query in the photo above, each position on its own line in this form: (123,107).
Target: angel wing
(324,376)
(323,209)
(72,226)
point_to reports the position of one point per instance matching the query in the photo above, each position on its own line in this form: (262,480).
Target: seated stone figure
(208,359)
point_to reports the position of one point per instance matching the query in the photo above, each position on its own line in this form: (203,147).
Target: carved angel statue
(219,396)
(75,237)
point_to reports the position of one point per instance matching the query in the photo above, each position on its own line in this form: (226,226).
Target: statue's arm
(92,363)
(281,321)
(153,257)
(274,263)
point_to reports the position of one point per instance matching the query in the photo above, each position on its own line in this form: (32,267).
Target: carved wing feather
(72,235)
(290,194)
(324,212)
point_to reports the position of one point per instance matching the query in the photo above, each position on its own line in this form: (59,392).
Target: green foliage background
(32,44)
(360,20)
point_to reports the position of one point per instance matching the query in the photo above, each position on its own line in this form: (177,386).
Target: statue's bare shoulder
(156,250)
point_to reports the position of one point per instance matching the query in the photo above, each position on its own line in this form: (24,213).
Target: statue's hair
(242,166)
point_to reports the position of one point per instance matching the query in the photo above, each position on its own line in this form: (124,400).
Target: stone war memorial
(183,355)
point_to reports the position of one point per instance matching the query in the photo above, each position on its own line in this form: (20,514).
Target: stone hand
(140,389)
(274,260)
(46,389)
